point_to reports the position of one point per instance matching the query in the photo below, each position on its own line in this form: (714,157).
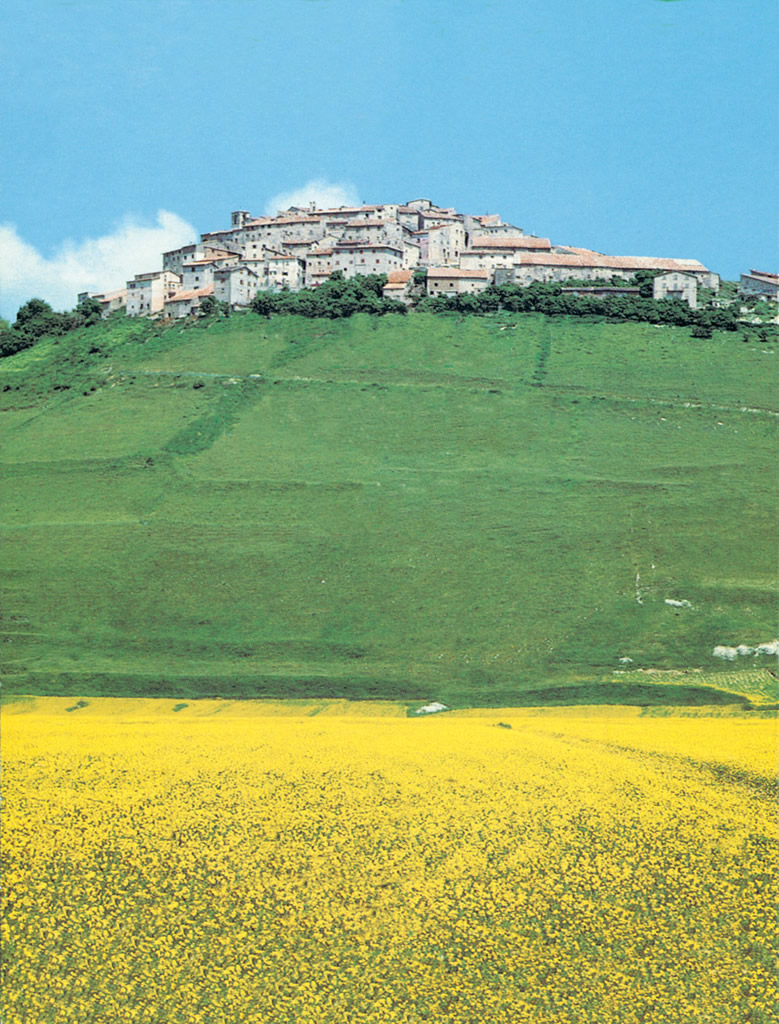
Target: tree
(89,312)
(208,306)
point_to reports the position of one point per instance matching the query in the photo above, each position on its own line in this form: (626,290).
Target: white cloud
(92,265)
(325,194)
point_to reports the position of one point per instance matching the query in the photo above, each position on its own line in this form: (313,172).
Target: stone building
(676,285)
(399,285)
(488,252)
(236,285)
(760,283)
(110,302)
(146,293)
(199,273)
(356,258)
(304,246)
(590,266)
(185,303)
(454,281)
(176,259)
(442,244)
(282,270)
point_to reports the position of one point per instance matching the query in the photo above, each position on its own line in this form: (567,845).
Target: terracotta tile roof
(482,275)
(438,215)
(763,273)
(521,242)
(186,296)
(558,259)
(576,249)
(202,263)
(346,245)
(238,269)
(399,277)
(153,275)
(294,220)
(343,210)
(394,287)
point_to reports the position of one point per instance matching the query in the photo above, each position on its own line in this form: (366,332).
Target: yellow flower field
(225,865)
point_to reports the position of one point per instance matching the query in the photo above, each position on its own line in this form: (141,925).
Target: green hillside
(484,510)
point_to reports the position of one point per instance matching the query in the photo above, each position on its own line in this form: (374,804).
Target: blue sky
(635,127)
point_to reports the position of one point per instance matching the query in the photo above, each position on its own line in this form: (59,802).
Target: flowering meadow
(232,863)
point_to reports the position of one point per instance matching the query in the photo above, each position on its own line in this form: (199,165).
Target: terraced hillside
(489,510)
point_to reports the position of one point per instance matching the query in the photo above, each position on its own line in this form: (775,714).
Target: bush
(36,319)
(338,297)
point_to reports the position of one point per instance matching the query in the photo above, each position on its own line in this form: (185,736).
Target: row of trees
(342,297)
(550,300)
(337,297)
(36,319)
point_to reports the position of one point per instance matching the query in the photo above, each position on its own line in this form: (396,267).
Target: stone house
(589,266)
(110,302)
(199,273)
(442,243)
(488,252)
(185,303)
(760,283)
(283,270)
(237,284)
(399,285)
(676,285)
(147,293)
(176,259)
(455,281)
(356,258)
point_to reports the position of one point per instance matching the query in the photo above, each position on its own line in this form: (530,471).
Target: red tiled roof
(577,249)
(294,220)
(343,209)
(239,269)
(349,246)
(482,275)
(186,296)
(558,259)
(521,242)
(201,263)
(398,277)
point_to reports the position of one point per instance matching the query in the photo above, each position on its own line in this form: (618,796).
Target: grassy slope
(422,508)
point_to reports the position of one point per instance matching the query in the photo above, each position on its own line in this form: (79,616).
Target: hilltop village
(418,245)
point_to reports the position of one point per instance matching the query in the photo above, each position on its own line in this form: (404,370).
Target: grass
(433,507)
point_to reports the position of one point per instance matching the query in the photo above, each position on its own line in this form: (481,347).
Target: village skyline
(421,247)
(630,128)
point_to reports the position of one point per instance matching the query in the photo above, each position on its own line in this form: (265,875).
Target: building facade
(683,287)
